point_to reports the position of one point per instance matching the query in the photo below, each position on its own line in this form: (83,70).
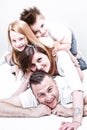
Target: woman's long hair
(22,27)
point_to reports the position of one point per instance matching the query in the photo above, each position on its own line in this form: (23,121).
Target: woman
(38,60)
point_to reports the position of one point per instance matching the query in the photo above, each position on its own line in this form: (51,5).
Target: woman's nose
(39,67)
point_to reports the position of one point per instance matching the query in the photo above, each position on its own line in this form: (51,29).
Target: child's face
(40,27)
(46,92)
(18,40)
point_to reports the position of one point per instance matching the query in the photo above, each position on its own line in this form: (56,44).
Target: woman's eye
(39,60)
(33,67)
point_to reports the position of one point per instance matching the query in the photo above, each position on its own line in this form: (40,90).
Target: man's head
(36,21)
(44,88)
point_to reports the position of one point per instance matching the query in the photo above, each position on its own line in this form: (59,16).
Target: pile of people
(51,70)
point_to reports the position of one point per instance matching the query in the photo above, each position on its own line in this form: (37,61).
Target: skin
(40,27)
(46,92)
(41,62)
(18,40)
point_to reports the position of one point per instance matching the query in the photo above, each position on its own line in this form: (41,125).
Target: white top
(58,31)
(8,84)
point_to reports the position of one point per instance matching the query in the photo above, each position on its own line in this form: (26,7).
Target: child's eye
(50,89)
(42,25)
(21,39)
(13,40)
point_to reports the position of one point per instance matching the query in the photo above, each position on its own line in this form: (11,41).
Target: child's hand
(55,48)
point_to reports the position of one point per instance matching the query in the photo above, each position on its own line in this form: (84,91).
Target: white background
(70,12)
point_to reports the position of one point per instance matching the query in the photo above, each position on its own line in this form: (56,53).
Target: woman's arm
(24,85)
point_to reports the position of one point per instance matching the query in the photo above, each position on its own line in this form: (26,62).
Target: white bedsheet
(43,123)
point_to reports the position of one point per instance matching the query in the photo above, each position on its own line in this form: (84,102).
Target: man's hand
(41,110)
(60,110)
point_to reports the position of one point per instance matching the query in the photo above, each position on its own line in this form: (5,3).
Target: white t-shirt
(58,31)
(8,83)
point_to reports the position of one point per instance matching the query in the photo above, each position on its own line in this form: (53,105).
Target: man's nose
(48,98)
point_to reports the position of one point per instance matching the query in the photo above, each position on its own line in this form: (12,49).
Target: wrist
(77,122)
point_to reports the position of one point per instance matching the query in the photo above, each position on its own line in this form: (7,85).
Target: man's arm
(12,108)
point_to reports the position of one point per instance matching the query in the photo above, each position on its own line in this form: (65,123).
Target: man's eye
(50,89)
(41,95)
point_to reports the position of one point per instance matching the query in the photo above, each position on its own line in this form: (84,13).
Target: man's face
(40,27)
(46,92)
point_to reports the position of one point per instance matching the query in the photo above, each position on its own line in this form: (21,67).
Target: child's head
(36,21)
(17,35)
(44,88)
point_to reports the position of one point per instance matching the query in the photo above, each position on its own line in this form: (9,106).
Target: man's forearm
(9,110)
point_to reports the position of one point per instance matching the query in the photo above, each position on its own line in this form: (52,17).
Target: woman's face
(40,61)
(18,40)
